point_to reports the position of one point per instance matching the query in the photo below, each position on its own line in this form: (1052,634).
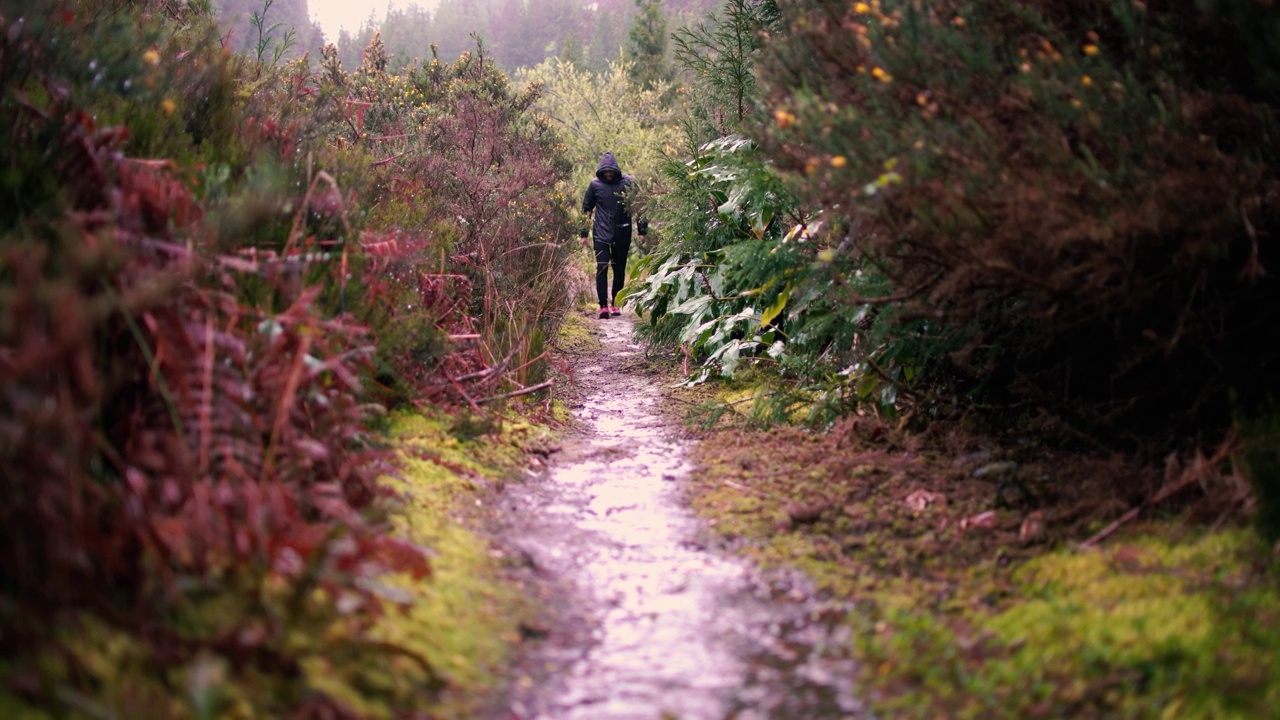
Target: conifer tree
(721,56)
(277,19)
(647,44)
(571,51)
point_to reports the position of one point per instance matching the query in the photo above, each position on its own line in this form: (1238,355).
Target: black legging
(612,254)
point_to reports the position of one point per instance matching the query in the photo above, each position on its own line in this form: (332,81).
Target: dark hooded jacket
(612,218)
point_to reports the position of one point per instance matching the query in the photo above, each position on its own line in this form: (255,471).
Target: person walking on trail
(606,202)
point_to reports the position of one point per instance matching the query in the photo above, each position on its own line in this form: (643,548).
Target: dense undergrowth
(217,274)
(1048,218)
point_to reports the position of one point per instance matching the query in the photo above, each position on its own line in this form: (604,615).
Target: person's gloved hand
(582,238)
(643,227)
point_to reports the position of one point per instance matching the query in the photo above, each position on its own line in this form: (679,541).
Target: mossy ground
(575,337)
(464,618)
(467,617)
(957,614)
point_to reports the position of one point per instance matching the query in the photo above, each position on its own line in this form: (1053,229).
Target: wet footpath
(645,619)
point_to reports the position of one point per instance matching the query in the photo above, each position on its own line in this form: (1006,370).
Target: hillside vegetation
(218,274)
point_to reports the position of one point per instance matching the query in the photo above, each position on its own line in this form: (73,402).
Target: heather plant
(470,222)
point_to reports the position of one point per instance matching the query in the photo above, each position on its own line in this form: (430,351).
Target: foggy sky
(334,15)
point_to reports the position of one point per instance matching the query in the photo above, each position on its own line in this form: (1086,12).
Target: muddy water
(644,621)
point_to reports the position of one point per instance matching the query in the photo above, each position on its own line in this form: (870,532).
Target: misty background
(515,33)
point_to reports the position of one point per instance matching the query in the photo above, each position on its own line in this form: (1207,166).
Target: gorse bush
(1069,198)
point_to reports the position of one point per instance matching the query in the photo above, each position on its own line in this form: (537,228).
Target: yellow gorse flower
(879,74)
(168,106)
(1090,49)
(861,8)
(151,57)
(839,161)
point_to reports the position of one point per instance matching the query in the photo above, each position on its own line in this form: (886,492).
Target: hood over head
(608,163)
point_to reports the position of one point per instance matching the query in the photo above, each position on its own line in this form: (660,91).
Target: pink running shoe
(604,313)
(614,311)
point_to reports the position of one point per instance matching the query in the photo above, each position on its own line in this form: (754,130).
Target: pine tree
(647,44)
(284,26)
(571,51)
(721,56)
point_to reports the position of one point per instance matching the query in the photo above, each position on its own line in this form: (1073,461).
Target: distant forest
(516,33)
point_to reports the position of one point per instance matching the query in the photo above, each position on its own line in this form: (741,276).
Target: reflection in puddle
(677,632)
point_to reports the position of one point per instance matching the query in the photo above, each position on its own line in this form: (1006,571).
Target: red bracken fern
(154,428)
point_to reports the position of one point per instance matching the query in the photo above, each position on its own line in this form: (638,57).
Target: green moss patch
(575,336)
(464,618)
(970,597)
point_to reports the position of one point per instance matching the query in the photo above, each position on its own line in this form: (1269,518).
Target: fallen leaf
(1032,529)
(921,499)
(981,521)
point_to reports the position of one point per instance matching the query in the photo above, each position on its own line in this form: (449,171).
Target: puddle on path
(650,624)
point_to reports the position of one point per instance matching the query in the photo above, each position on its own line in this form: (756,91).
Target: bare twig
(515,393)
(463,392)
(393,158)
(543,245)
(1190,476)
(481,374)
(206,396)
(300,215)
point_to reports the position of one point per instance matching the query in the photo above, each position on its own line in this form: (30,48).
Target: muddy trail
(644,618)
